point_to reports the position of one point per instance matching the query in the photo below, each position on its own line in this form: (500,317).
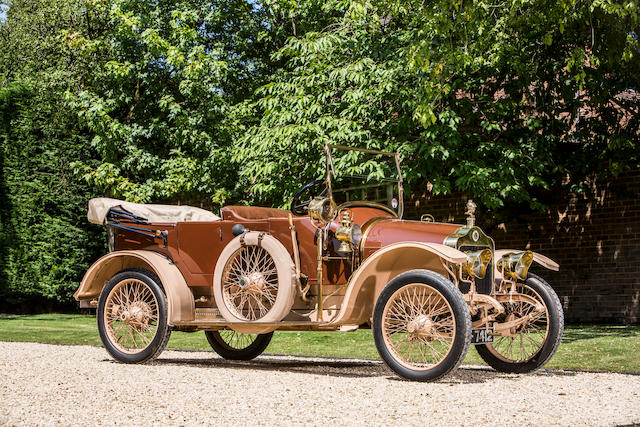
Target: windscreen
(365,175)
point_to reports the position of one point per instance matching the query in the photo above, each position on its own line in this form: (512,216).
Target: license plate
(482,335)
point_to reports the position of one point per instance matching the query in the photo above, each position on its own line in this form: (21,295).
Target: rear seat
(248,213)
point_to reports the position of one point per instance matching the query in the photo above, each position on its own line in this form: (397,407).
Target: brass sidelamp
(349,234)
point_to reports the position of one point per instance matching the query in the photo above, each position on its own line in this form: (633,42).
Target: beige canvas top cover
(99,207)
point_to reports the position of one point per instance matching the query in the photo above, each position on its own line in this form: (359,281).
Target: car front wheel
(421,325)
(535,325)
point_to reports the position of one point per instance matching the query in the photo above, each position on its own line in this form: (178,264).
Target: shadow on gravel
(345,369)
(339,368)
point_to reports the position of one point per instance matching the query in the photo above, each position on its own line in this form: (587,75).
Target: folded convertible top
(99,208)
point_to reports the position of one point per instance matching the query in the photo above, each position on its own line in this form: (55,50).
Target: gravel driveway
(48,384)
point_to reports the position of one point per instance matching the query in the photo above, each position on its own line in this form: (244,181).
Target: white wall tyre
(254,283)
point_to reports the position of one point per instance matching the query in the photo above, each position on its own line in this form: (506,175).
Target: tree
(167,106)
(505,102)
(46,244)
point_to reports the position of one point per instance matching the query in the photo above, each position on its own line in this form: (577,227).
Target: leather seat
(248,213)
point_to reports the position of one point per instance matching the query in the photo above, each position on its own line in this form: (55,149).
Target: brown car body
(193,249)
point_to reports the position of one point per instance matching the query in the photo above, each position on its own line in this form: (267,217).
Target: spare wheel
(254,282)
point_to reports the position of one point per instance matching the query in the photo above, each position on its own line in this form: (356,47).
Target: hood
(382,232)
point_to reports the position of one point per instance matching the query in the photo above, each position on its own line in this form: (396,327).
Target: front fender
(375,272)
(179,296)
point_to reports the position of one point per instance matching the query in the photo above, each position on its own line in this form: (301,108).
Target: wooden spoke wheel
(422,327)
(132,316)
(233,345)
(529,331)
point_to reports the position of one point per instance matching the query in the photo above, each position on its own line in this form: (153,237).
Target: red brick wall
(594,236)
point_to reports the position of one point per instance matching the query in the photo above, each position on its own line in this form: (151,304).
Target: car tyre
(505,362)
(132,316)
(425,310)
(233,345)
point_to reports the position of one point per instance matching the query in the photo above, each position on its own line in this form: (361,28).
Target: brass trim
(322,209)
(516,265)
(343,233)
(464,236)
(470,212)
(478,262)
(365,203)
(319,276)
(400,187)
(427,218)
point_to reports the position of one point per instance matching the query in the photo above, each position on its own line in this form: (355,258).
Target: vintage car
(426,289)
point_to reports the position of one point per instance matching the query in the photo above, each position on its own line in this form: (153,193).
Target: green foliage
(162,108)
(503,101)
(46,244)
(155,108)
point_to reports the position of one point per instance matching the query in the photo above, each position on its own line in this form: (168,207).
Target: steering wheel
(302,208)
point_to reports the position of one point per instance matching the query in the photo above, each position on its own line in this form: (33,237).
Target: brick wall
(594,236)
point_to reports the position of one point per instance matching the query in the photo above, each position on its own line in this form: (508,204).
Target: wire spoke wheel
(250,283)
(529,331)
(254,283)
(421,325)
(131,316)
(237,341)
(528,334)
(237,346)
(418,326)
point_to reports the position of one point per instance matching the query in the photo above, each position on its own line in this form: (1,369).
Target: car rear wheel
(538,323)
(421,325)
(233,345)
(132,316)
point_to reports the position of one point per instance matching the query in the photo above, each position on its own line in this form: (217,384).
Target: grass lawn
(610,348)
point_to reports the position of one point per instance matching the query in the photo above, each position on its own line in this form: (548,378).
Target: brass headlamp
(322,209)
(477,263)
(348,233)
(516,264)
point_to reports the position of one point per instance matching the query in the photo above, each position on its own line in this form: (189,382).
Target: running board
(217,324)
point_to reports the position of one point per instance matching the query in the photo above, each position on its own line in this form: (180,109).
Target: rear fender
(376,271)
(179,296)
